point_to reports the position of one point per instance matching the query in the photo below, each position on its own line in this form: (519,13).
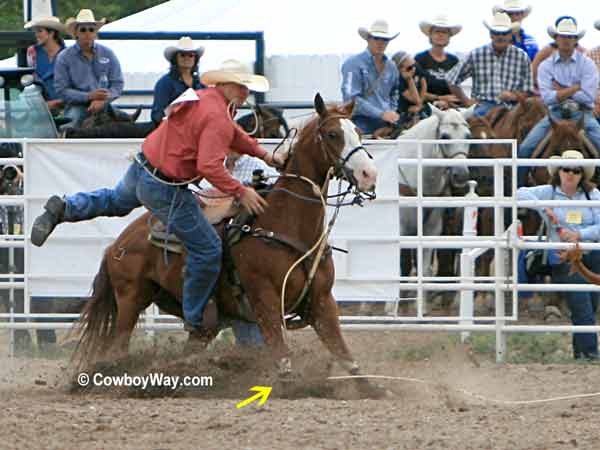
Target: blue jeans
(535,136)
(485,107)
(178,209)
(583,305)
(368,125)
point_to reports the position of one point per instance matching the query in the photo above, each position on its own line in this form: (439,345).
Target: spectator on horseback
(189,145)
(509,64)
(594,55)
(183,75)
(518,12)
(42,56)
(87,75)
(550,49)
(412,89)
(371,78)
(572,224)
(437,62)
(568,82)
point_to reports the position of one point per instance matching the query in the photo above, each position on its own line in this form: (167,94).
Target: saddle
(216,208)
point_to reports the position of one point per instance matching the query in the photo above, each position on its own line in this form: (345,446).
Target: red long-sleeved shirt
(195,140)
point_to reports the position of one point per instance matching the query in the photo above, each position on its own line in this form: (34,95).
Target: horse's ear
(436,111)
(347,108)
(320,105)
(467,113)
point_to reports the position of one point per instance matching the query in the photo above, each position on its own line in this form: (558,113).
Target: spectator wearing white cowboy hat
(42,56)
(183,74)
(568,83)
(87,75)
(509,64)
(370,78)
(572,224)
(518,11)
(594,55)
(436,61)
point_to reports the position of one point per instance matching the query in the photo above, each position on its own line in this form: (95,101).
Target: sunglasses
(380,39)
(567,36)
(86,29)
(573,170)
(411,67)
(503,33)
(187,54)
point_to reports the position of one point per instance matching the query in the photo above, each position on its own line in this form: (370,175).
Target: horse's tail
(98,318)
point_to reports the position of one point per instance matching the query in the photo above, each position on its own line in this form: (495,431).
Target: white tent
(294,27)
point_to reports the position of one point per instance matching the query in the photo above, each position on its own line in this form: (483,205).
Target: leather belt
(141,159)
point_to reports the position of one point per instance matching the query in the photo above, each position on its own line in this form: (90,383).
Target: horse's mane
(422,130)
(565,134)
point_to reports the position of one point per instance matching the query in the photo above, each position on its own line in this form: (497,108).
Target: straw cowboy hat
(500,23)
(439,21)
(50,22)
(588,171)
(185,44)
(233,71)
(513,6)
(566,26)
(378,29)
(84,16)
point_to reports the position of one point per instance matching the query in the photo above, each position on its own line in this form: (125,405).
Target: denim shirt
(527,44)
(360,81)
(589,228)
(44,70)
(75,75)
(167,89)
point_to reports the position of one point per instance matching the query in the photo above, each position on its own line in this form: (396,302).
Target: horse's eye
(332,135)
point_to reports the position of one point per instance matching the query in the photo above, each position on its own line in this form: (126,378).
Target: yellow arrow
(262,391)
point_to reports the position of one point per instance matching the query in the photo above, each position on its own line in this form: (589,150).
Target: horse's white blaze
(362,166)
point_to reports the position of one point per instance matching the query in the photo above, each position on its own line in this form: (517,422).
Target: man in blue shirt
(517,12)
(370,78)
(568,83)
(87,75)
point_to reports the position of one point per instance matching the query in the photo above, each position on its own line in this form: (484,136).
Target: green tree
(11,18)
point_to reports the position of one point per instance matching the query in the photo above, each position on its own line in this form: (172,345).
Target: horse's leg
(431,227)
(485,227)
(132,300)
(324,319)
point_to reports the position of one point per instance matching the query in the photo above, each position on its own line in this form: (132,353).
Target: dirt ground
(443,401)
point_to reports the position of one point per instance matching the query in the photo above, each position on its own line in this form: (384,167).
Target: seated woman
(183,74)
(412,88)
(42,56)
(572,224)
(436,62)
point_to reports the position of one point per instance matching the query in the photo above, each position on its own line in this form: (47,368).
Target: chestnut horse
(133,273)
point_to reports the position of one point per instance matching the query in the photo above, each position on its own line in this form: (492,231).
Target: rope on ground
(472,394)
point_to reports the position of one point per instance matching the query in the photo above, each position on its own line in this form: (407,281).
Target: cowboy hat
(500,23)
(233,71)
(588,171)
(185,44)
(50,22)
(84,16)
(439,21)
(378,29)
(566,26)
(512,6)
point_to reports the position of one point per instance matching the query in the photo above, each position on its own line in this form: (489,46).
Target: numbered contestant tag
(574,217)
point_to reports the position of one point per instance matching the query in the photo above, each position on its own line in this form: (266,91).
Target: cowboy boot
(45,224)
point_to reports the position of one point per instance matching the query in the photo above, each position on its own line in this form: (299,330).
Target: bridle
(339,163)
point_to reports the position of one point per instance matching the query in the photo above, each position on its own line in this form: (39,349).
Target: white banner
(68,262)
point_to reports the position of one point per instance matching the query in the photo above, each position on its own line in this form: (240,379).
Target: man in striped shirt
(568,82)
(500,71)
